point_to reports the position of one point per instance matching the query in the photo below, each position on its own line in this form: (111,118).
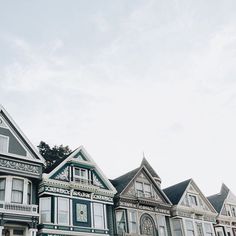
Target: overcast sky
(126,77)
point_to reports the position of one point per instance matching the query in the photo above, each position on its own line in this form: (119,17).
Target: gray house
(192,214)
(225,204)
(20,172)
(141,207)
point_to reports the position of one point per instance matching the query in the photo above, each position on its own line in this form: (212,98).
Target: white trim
(7,138)
(22,134)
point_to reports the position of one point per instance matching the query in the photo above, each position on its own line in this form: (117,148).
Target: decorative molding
(14,165)
(63,175)
(97,182)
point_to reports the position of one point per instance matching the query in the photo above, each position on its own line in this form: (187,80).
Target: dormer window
(4,143)
(81,175)
(193,200)
(143,189)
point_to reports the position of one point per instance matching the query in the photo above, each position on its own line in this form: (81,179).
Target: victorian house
(192,213)
(141,207)
(225,204)
(20,172)
(76,198)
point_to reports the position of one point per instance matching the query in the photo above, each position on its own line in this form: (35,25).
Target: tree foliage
(51,155)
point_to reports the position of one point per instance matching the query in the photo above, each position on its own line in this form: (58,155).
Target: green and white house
(225,204)
(191,214)
(141,207)
(20,173)
(76,198)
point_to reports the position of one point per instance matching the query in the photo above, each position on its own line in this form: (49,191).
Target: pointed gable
(217,200)
(126,185)
(13,142)
(79,160)
(175,192)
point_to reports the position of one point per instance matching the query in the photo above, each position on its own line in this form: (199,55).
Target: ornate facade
(225,204)
(192,214)
(20,172)
(141,207)
(76,198)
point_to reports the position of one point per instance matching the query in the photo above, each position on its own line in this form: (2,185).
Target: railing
(19,208)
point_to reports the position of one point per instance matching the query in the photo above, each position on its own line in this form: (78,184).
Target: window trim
(18,191)
(125,220)
(50,209)
(68,210)
(4,178)
(103,215)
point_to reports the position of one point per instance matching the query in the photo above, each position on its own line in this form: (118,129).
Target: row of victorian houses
(74,197)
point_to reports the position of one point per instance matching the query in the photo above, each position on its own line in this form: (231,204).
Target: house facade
(224,203)
(141,207)
(76,198)
(20,172)
(192,214)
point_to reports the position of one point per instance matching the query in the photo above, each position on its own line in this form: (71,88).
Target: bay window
(29,189)
(99,219)
(208,229)
(17,190)
(45,209)
(162,225)
(63,211)
(2,189)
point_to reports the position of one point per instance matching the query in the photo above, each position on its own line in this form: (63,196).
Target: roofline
(76,151)
(36,152)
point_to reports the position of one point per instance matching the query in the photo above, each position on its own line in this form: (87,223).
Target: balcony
(19,208)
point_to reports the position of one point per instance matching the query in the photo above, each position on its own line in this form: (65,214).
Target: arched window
(147,225)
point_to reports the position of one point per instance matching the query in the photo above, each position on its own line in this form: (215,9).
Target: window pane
(121,221)
(18,184)
(2,189)
(162,231)
(63,210)
(132,222)
(81,213)
(45,211)
(98,215)
(29,193)
(139,186)
(3,144)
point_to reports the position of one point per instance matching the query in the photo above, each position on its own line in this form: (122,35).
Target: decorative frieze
(63,175)
(19,166)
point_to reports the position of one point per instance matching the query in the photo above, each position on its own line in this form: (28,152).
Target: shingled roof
(175,192)
(149,168)
(217,200)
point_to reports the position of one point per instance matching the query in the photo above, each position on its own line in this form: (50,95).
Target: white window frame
(132,222)
(4,178)
(190,196)
(80,178)
(16,190)
(63,211)
(144,193)
(48,210)
(125,220)
(101,215)
(7,138)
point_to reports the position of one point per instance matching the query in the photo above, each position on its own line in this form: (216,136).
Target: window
(193,200)
(147,190)
(189,227)
(81,212)
(63,211)
(4,142)
(98,216)
(208,229)
(199,229)
(132,222)
(2,189)
(177,227)
(162,225)
(233,211)
(81,175)
(121,222)
(143,189)
(45,209)
(29,189)
(17,190)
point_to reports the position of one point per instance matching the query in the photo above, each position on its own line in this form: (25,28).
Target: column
(32,232)
(1,228)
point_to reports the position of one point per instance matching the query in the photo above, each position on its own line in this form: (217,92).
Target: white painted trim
(7,137)
(22,134)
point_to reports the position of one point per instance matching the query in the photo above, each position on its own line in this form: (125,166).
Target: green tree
(51,155)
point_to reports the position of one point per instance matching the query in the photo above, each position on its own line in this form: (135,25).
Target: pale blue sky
(123,77)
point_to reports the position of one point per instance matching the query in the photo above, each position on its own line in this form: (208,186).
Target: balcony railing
(18,208)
